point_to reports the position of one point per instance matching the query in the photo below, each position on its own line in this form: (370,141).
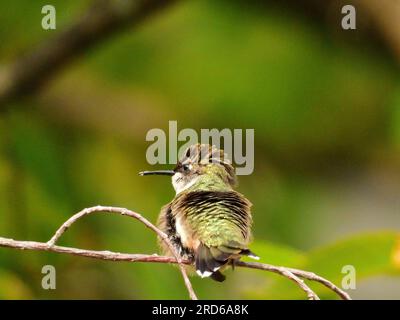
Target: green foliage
(370,254)
(327,133)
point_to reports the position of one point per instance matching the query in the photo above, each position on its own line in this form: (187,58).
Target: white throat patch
(180,184)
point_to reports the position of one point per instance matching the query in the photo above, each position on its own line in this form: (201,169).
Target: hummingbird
(208,222)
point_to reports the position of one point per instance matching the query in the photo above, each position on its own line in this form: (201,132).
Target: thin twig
(290,273)
(299,273)
(314,277)
(103,255)
(125,212)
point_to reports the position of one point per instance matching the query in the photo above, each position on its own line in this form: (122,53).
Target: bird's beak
(157,172)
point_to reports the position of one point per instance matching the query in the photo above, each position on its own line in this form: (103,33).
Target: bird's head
(201,163)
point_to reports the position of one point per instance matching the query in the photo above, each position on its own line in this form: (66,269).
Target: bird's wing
(221,221)
(164,224)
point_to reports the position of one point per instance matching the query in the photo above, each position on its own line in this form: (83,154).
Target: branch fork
(295,275)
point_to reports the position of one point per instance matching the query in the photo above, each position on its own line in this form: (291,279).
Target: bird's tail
(209,260)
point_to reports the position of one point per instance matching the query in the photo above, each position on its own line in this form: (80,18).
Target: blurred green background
(325,106)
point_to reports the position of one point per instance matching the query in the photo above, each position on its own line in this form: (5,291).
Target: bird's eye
(186,167)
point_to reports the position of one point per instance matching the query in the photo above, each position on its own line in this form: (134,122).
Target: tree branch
(299,273)
(125,212)
(293,274)
(103,19)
